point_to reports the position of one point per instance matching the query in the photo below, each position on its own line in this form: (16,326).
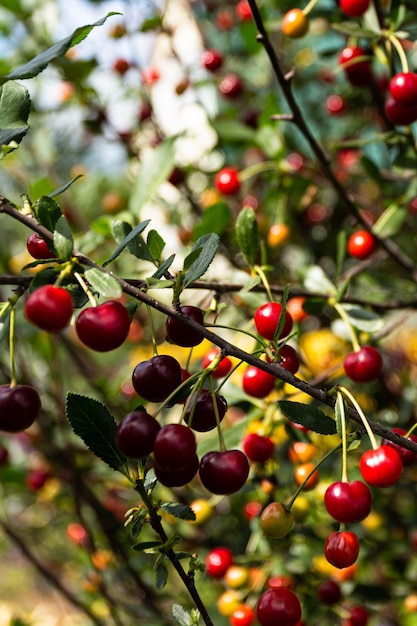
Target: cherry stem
(257,168)
(309,7)
(340,405)
(222,442)
(342,313)
(400,51)
(86,289)
(258,270)
(13,380)
(361,414)
(151,320)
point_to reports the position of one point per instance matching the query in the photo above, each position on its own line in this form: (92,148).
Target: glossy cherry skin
(38,248)
(278,606)
(218,561)
(381,467)
(295,24)
(400,114)
(361,244)
(49,308)
(408,457)
(244,615)
(212,60)
(182,335)
(403,88)
(200,414)
(19,407)
(178,478)
(359,616)
(174,448)
(276,520)
(257,383)
(230,86)
(104,327)
(364,365)
(348,502)
(224,366)
(136,434)
(155,379)
(329,592)
(227,181)
(267,319)
(354,8)
(341,548)
(257,447)
(225,472)
(288,359)
(357,72)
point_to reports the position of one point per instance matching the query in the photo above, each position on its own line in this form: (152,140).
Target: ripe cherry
(381,467)
(358,72)
(257,447)
(155,379)
(348,502)
(35,479)
(227,181)
(403,88)
(358,616)
(104,327)
(224,472)
(244,615)
(278,606)
(200,414)
(19,407)
(354,8)
(212,60)
(243,10)
(38,248)
(361,244)
(341,548)
(136,433)
(364,365)
(276,520)
(288,359)
(218,561)
(178,478)
(408,457)
(329,592)
(224,366)
(230,86)
(257,383)
(295,24)
(400,114)
(174,448)
(267,318)
(49,308)
(182,335)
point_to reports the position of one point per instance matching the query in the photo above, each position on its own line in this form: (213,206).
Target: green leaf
(150,480)
(308,416)
(152,173)
(47,212)
(126,236)
(60,190)
(181,616)
(247,235)
(148,546)
(14,113)
(164,267)
(151,23)
(161,575)
(93,423)
(315,279)
(215,219)
(233,130)
(63,241)
(105,284)
(252,282)
(182,511)
(363,319)
(352,29)
(156,245)
(208,246)
(41,61)
(391,221)
(157,283)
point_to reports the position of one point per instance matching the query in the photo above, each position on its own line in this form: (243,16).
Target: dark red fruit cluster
(401,107)
(155,379)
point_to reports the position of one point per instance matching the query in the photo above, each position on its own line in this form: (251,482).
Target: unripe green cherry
(276,520)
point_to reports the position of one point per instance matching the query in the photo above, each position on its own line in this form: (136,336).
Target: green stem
(341,404)
(342,313)
(361,414)
(222,442)
(257,168)
(258,270)
(400,51)
(151,320)
(309,7)
(13,380)
(85,288)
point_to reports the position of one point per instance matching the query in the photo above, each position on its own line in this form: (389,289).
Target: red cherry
(38,248)
(408,457)
(364,365)
(121,66)
(227,181)
(267,318)
(224,472)
(359,616)
(244,615)
(257,383)
(230,86)
(400,114)
(354,8)
(288,358)
(36,478)
(155,379)
(224,366)
(403,88)
(348,502)
(361,244)
(218,562)
(178,478)
(381,467)
(335,104)
(19,407)
(258,448)
(278,606)
(212,60)
(243,10)
(341,548)
(329,592)
(104,327)
(49,308)
(357,72)
(174,448)
(136,433)
(182,335)
(200,414)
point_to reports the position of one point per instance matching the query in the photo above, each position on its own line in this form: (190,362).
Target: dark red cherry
(19,407)
(400,114)
(257,447)
(136,433)
(104,327)
(212,60)
(341,548)
(403,88)
(178,478)
(224,472)
(38,248)
(348,502)
(174,448)
(200,414)
(182,335)
(278,606)
(356,69)
(155,379)
(408,457)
